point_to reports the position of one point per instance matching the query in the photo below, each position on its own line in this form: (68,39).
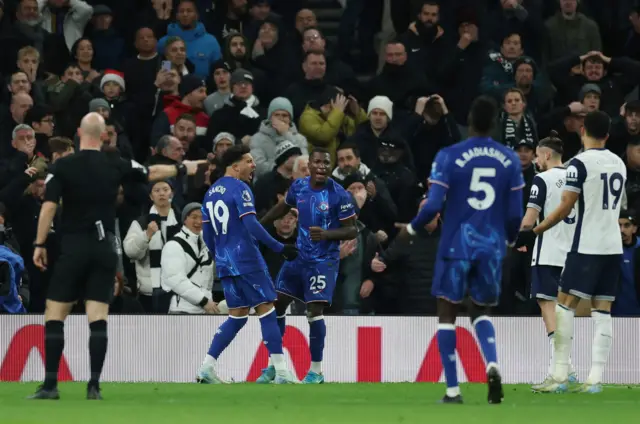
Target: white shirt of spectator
(551,248)
(599,176)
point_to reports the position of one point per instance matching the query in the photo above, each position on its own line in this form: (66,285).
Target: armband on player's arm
(256,230)
(429,211)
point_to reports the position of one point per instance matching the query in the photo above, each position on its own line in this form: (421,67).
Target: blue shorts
(308,281)
(454,279)
(591,276)
(545,280)
(248,290)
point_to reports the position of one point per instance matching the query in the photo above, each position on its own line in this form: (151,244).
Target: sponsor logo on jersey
(572,174)
(534,191)
(346,207)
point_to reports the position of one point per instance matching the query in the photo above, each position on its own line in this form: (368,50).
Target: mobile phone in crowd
(166,65)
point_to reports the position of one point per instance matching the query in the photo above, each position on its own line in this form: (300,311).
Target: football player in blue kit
(482,182)
(326,215)
(231,231)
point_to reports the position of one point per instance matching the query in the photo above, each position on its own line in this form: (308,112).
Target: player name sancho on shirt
(483,151)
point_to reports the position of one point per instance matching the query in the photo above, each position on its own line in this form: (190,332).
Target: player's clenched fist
(290,252)
(316,233)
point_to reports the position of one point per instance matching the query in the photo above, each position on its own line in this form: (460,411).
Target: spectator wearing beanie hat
(281,175)
(122,112)
(220,87)
(278,128)
(222,142)
(193,91)
(329,120)
(368,134)
(241,114)
(590,96)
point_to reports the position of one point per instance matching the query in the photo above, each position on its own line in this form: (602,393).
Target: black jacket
(229,119)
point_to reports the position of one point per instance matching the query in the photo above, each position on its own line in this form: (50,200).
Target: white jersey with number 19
(599,176)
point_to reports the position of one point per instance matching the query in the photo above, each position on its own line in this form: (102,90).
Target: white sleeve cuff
(410,230)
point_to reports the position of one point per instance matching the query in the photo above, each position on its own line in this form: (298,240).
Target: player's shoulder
(335,186)
(299,184)
(597,158)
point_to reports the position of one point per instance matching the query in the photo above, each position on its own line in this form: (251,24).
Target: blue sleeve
(434,204)
(538,194)
(161,45)
(440,169)
(576,175)
(514,211)
(347,210)
(259,233)
(243,198)
(207,233)
(290,198)
(216,53)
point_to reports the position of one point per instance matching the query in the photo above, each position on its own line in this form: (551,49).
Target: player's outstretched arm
(259,233)
(162,172)
(276,212)
(569,199)
(434,204)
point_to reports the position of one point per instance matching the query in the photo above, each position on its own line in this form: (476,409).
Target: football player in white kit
(594,185)
(550,250)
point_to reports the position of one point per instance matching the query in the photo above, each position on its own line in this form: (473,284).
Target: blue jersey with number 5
(480,176)
(224,205)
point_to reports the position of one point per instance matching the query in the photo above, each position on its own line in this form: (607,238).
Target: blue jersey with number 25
(480,175)
(224,205)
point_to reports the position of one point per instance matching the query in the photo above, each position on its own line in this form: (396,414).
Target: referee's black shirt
(87,182)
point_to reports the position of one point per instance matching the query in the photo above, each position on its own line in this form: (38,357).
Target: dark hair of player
(482,116)
(553,142)
(597,124)
(320,150)
(352,146)
(234,155)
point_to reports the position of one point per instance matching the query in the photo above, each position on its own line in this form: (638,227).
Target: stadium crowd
(187,79)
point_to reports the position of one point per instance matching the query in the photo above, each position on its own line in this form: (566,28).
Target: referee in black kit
(87,183)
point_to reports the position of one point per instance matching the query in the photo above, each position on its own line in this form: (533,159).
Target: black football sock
(97,350)
(53,347)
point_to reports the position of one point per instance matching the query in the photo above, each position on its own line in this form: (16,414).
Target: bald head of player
(482,116)
(549,152)
(91,131)
(595,131)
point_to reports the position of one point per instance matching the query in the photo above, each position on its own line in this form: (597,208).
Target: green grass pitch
(328,404)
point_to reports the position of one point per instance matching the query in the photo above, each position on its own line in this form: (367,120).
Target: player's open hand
(316,233)
(289,252)
(377,265)
(40,258)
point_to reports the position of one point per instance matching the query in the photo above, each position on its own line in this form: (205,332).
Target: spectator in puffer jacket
(146,238)
(277,129)
(187,266)
(203,50)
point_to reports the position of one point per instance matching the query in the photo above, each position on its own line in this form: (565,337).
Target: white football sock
(209,361)
(602,341)
(551,361)
(270,363)
(562,342)
(316,367)
(453,391)
(277,359)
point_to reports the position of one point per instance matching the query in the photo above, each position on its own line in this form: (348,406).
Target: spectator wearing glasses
(40,118)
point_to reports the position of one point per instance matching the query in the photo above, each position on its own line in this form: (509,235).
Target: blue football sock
(271,335)
(487,337)
(317,333)
(225,335)
(447,347)
(282,323)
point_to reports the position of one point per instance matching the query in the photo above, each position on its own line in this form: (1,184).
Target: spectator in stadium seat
(242,114)
(627,301)
(430,128)
(301,167)
(632,46)
(624,128)
(632,159)
(278,179)
(259,11)
(83,53)
(285,230)
(112,86)
(73,15)
(313,84)
(193,91)
(203,49)
(272,54)
(175,51)
(590,97)
(219,87)
(167,92)
(146,237)
(398,81)
(331,119)
(406,272)
(185,130)
(69,97)
(356,281)
(237,54)
(40,118)
(29,63)
(305,18)
(515,124)
(227,18)
(20,104)
(118,139)
(566,121)
(107,41)
(276,130)
(570,31)
(18,82)
(616,77)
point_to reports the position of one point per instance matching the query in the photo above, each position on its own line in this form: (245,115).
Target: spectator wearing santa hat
(112,86)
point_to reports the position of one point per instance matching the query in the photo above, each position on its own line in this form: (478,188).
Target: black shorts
(85,269)
(545,280)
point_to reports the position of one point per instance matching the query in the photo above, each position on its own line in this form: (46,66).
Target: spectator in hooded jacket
(146,238)
(203,49)
(277,129)
(241,115)
(220,87)
(193,91)
(109,45)
(330,120)
(570,31)
(75,16)
(112,86)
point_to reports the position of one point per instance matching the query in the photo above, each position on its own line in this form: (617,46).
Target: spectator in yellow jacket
(329,120)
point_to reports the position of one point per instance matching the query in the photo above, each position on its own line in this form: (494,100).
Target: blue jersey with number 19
(224,205)
(479,175)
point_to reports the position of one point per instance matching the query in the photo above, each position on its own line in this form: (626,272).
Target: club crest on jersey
(246,196)
(323,206)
